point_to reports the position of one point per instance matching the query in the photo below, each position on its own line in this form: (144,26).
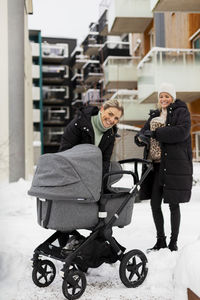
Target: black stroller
(71,196)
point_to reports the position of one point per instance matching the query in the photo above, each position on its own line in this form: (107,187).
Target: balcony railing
(80,60)
(52,135)
(94,27)
(77,102)
(120,72)
(179,66)
(77,77)
(54,52)
(55,115)
(108,93)
(111,48)
(175,5)
(77,82)
(129,16)
(92,43)
(92,71)
(77,58)
(125,95)
(92,96)
(50,71)
(56,94)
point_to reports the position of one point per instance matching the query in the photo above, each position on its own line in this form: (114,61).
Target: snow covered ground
(169,272)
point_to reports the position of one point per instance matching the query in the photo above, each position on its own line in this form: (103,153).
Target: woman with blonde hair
(94,126)
(167,141)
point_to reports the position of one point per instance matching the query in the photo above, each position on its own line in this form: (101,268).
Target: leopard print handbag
(155,150)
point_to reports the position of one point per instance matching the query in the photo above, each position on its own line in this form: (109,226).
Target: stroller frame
(73,273)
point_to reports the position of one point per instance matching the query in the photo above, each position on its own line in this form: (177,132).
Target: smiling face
(165,100)
(110,116)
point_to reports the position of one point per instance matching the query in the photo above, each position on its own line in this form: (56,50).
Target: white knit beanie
(167,88)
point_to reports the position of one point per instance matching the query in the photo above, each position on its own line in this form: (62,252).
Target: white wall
(4,129)
(28,101)
(16,132)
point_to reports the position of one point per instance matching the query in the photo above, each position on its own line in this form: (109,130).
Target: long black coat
(80,131)
(176,158)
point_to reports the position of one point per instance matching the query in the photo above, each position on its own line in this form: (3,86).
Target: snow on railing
(116,44)
(120,59)
(155,50)
(125,94)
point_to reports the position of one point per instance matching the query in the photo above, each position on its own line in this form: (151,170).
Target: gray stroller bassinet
(67,186)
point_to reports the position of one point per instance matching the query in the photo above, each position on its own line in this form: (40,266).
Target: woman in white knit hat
(167,141)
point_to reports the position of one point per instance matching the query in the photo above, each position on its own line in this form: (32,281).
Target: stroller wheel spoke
(131,275)
(39,278)
(74,290)
(45,278)
(133,270)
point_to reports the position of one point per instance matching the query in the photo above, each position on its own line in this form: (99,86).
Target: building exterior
(52,90)
(56,89)
(16,110)
(128,52)
(144,43)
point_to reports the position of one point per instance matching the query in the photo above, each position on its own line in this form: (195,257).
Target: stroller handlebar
(135,178)
(135,160)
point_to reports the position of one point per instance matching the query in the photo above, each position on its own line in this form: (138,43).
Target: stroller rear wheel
(43,273)
(133,269)
(74,284)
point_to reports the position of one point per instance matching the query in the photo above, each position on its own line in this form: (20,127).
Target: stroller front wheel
(74,284)
(133,269)
(43,273)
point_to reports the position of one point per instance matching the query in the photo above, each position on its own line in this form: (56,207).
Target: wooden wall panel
(194,108)
(140,49)
(147,37)
(194,23)
(177,30)
(145,41)
(192,295)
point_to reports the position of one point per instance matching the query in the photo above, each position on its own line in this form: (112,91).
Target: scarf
(98,128)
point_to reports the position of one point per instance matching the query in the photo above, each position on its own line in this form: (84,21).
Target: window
(67,92)
(197,146)
(195,40)
(66,72)
(152,38)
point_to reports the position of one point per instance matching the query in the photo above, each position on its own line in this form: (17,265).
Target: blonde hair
(158,103)
(113,103)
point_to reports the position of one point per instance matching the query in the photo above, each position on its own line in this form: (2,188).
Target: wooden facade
(177,30)
(194,23)
(191,295)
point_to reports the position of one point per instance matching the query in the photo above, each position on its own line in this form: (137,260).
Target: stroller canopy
(74,174)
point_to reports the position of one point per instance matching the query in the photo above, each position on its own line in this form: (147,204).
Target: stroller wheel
(74,284)
(133,269)
(43,273)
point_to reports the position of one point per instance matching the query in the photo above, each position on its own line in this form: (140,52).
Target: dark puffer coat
(176,158)
(80,131)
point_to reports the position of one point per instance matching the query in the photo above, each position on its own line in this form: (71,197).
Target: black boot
(161,243)
(173,245)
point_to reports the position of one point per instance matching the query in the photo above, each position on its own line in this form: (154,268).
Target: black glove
(149,133)
(144,139)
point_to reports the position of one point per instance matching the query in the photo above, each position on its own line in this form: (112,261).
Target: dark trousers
(156,201)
